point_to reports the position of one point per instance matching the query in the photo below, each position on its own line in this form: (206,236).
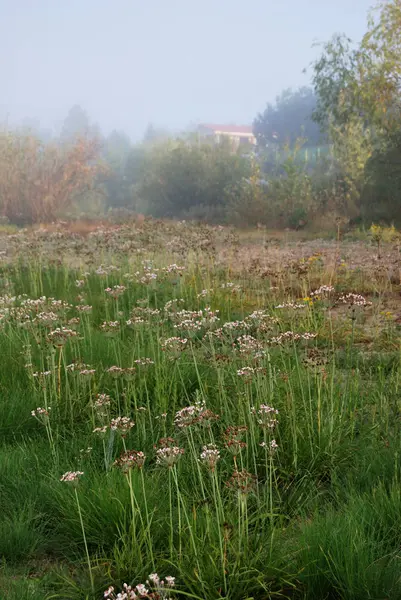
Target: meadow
(193,412)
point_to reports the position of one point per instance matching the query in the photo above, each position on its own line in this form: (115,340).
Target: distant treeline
(325,152)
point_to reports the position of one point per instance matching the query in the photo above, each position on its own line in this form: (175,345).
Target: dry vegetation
(218,407)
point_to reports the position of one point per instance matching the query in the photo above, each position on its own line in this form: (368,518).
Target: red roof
(229,128)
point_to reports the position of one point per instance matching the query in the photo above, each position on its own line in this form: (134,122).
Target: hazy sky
(170,62)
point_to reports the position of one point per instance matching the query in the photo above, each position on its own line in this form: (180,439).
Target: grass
(271,460)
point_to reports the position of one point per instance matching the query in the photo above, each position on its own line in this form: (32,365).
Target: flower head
(168,454)
(131,459)
(265,416)
(122,425)
(71,477)
(210,455)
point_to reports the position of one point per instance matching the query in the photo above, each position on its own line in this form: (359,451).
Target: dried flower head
(233,439)
(242,482)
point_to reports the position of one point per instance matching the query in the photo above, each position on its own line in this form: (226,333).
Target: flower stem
(85,542)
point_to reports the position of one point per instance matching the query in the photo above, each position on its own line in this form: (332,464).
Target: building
(239,135)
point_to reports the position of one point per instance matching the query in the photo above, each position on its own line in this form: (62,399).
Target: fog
(129,63)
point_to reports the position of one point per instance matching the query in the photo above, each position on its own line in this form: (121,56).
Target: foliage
(38,180)
(179,177)
(358,105)
(289,119)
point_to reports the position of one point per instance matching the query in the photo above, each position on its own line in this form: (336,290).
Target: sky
(172,63)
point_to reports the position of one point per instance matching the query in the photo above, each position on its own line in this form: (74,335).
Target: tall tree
(288,119)
(116,151)
(358,92)
(77,125)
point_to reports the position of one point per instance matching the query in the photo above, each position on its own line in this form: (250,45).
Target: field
(216,407)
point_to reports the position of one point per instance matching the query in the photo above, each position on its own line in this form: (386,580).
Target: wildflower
(248,372)
(122,425)
(141,589)
(84,308)
(197,414)
(87,372)
(100,430)
(168,454)
(242,482)
(322,291)
(71,477)
(115,371)
(148,276)
(79,283)
(291,305)
(174,269)
(188,326)
(46,318)
(234,289)
(170,581)
(41,374)
(204,293)
(131,459)
(271,447)
(42,414)
(116,291)
(210,455)
(155,587)
(162,416)
(61,335)
(233,439)
(101,404)
(174,346)
(291,336)
(110,328)
(154,578)
(76,367)
(144,362)
(232,325)
(172,304)
(247,344)
(129,372)
(264,416)
(354,300)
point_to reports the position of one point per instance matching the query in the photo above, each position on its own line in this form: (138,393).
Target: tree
(77,125)
(358,91)
(180,179)
(38,181)
(288,120)
(364,81)
(116,151)
(155,134)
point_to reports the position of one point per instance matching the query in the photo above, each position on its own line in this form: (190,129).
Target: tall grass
(243,501)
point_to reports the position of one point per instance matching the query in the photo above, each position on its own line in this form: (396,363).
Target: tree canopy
(289,119)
